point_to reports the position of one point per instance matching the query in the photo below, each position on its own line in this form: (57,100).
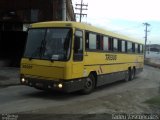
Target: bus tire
(134,72)
(89,85)
(131,74)
(126,79)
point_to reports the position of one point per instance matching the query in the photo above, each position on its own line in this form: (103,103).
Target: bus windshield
(48,43)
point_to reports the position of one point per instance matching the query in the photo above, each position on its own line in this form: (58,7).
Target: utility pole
(80,7)
(146,35)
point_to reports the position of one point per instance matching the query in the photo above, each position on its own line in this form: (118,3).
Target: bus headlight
(60,85)
(23,80)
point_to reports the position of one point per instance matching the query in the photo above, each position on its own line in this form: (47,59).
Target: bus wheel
(126,79)
(89,84)
(131,74)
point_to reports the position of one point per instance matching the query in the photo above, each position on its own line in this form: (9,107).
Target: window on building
(34,15)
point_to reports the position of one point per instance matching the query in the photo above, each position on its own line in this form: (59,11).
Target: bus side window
(141,48)
(105,43)
(115,44)
(136,48)
(78,46)
(123,46)
(129,47)
(92,41)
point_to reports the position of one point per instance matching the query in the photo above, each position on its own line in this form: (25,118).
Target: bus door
(77,66)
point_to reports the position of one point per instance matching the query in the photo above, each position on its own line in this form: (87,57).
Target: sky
(125,17)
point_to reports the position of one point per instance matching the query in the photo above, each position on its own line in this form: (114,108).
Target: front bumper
(61,85)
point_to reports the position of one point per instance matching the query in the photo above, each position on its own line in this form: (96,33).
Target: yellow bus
(72,56)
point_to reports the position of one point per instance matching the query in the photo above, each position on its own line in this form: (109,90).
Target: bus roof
(82,26)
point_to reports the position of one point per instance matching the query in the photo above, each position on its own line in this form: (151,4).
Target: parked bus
(72,56)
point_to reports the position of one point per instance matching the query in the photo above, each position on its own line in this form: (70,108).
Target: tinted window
(115,44)
(92,41)
(34,43)
(129,47)
(136,48)
(58,42)
(78,46)
(105,43)
(49,43)
(123,46)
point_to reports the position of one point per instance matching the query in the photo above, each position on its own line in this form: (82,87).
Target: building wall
(29,11)
(14,14)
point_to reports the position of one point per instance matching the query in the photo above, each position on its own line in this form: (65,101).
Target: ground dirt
(117,98)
